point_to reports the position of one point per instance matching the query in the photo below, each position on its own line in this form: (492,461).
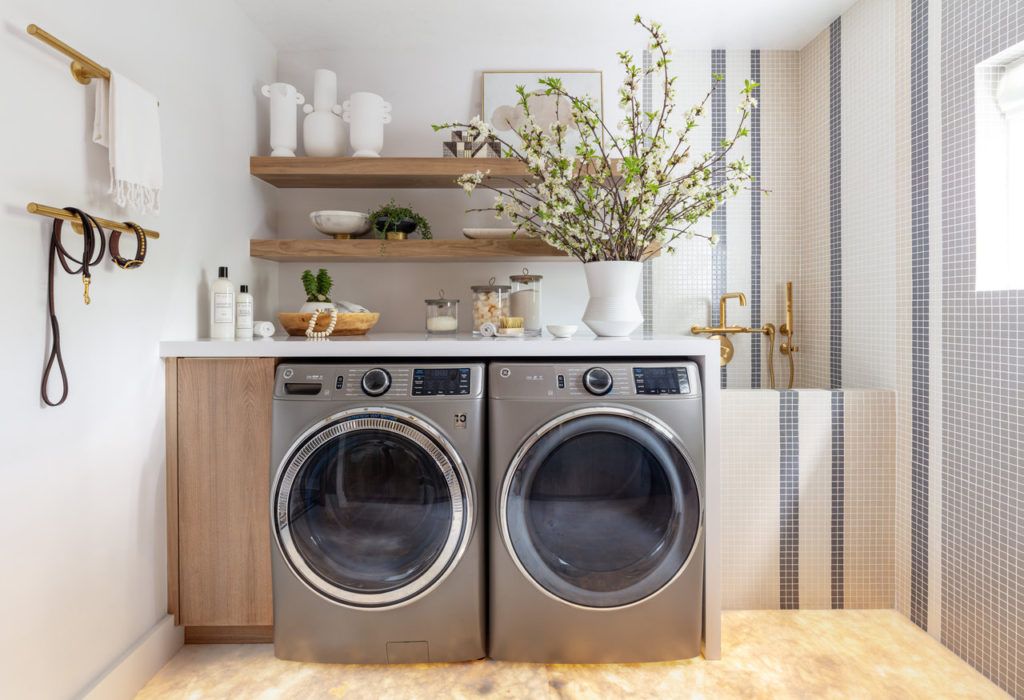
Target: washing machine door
(601,508)
(372,508)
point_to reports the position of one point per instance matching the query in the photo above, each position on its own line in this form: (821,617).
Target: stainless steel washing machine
(376,472)
(597,479)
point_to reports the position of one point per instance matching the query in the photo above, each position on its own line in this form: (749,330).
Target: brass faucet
(723,330)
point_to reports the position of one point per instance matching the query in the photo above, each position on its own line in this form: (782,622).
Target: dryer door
(601,507)
(372,508)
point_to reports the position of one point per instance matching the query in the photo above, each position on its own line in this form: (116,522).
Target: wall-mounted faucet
(723,330)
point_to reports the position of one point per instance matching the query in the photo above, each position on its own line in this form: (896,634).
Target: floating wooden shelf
(377,172)
(373,250)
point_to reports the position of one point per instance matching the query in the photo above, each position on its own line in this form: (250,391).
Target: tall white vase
(323,132)
(613,310)
(283,120)
(366,114)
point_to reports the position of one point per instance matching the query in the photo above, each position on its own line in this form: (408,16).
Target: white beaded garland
(320,335)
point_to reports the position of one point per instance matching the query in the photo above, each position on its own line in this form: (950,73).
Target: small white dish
(493,234)
(340,223)
(562,331)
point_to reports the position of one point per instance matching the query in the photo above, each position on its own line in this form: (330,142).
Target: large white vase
(323,133)
(283,120)
(366,114)
(613,310)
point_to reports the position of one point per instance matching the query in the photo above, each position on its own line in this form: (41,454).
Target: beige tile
(815,499)
(750,499)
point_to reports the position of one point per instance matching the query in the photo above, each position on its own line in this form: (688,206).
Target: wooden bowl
(348,324)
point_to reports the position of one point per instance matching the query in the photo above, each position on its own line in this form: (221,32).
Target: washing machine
(597,479)
(376,477)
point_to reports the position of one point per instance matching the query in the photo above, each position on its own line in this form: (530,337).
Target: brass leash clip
(86,281)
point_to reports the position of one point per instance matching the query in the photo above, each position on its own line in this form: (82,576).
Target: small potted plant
(393,222)
(318,291)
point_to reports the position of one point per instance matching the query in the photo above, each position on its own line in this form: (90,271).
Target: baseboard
(233,634)
(133,669)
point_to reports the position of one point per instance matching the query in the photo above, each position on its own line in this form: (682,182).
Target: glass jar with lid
(442,315)
(525,300)
(490,304)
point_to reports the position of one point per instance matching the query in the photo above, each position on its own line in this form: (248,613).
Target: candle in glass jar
(442,324)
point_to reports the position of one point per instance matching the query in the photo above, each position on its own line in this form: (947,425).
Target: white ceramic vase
(366,114)
(323,132)
(613,310)
(283,120)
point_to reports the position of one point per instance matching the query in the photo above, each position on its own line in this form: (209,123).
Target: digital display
(440,381)
(661,380)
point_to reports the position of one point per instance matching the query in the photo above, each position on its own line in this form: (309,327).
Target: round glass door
(601,507)
(372,509)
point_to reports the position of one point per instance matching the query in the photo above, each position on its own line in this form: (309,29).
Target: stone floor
(765,654)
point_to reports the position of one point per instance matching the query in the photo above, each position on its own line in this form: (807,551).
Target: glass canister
(525,300)
(442,315)
(490,303)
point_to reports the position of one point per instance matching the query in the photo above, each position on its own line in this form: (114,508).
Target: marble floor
(766,654)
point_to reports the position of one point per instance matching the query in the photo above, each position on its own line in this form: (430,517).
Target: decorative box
(462,145)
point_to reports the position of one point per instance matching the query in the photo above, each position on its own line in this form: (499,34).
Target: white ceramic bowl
(562,331)
(352,223)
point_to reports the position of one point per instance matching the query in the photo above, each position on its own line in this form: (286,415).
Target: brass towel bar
(83,68)
(57,213)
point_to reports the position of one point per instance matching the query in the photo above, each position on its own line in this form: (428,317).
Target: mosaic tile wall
(759,233)
(982,379)
(912,320)
(780,521)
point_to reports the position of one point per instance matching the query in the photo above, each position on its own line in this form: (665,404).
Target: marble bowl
(340,224)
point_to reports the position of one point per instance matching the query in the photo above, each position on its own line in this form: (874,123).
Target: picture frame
(497,92)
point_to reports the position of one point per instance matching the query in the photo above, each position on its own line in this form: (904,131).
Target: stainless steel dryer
(597,479)
(376,477)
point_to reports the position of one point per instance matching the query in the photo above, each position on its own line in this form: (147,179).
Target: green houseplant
(623,191)
(395,222)
(318,290)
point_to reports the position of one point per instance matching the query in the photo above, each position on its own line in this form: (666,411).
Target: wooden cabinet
(218,491)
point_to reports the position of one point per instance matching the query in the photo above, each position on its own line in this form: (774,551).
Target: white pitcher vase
(613,310)
(323,133)
(366,114)
(283,120)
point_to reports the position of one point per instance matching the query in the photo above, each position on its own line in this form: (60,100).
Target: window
(999,174)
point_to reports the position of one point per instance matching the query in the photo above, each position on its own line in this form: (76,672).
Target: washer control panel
(324,382)
(661,380)
(441,381)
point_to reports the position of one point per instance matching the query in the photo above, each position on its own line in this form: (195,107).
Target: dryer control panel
(595,380)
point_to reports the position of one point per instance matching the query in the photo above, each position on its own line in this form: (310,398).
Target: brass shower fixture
(723,331)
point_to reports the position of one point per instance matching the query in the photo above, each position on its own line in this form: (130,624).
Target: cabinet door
(224,425)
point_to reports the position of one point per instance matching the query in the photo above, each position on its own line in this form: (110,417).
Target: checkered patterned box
(463,145)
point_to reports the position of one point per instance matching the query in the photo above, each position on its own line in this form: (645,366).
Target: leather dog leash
(91,256)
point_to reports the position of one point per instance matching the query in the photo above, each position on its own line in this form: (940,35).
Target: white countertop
(462,345)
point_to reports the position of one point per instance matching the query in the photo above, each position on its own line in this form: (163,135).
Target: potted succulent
(318,291)
(623,191)
(393,222)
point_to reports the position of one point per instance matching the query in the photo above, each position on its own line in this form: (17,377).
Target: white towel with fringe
(127,122)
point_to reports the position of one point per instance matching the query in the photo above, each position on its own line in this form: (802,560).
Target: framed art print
(501,107)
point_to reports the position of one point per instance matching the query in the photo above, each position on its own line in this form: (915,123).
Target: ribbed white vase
(613,310)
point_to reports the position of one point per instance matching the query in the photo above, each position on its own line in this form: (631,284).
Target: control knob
(597,380)
(376,382)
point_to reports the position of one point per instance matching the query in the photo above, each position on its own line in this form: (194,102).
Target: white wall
(82,492)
